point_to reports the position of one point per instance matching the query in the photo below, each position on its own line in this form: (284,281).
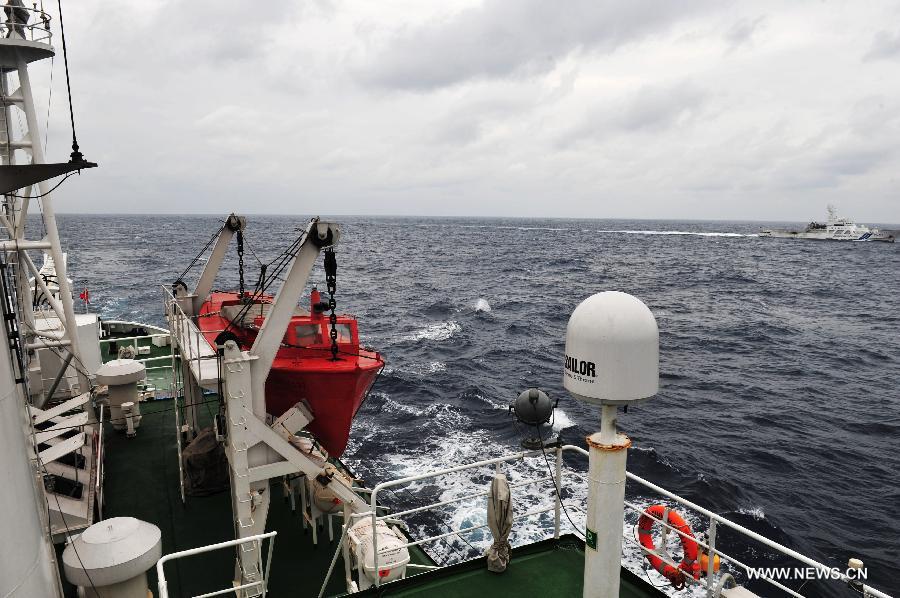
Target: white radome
(612,350)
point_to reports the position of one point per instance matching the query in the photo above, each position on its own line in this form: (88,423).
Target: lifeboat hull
(333,396)
(303,369)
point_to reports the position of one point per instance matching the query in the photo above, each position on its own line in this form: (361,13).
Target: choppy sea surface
(779,404)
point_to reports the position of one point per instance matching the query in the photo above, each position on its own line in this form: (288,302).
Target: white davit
(837,229)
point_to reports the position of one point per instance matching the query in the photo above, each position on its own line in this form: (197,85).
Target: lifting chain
(331,283)
(240,250)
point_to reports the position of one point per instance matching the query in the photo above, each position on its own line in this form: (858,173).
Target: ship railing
(134,342)
(23,23)
(194,349)
(101,449)
(556,508)
(260,585)
(710,581)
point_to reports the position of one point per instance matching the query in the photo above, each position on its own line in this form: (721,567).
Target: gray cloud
(510,37)
(885,46)
(743,32)
(649,109)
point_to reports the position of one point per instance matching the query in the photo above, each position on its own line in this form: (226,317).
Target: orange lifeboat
(304,368)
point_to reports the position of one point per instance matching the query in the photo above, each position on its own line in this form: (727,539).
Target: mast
(29,569)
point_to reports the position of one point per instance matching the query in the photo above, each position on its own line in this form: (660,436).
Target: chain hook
(331,283)
(240,252)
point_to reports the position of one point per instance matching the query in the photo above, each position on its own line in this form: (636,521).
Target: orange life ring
(688,564)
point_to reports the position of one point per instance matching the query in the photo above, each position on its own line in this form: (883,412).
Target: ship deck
(539,570)
(141,481)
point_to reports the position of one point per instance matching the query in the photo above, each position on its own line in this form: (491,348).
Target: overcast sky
(634,109)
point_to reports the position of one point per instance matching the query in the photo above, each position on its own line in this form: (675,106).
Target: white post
(606,509)
(37,153)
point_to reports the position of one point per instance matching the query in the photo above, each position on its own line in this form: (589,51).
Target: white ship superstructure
(837,228)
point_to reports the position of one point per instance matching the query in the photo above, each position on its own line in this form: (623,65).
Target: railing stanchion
(557,490)
(374,537)
(710,557)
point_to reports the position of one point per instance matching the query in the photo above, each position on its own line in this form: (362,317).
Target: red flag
(85,296)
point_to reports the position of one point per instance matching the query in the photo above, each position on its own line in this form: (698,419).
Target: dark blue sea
(779,404)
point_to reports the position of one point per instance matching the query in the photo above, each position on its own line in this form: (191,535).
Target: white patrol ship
(837,229)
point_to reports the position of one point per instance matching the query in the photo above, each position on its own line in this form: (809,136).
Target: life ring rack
(689,564)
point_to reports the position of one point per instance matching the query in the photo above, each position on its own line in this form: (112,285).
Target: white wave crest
(440,331)
(668,232)
(561,420)
(424,369)
(482,305)
(755,512)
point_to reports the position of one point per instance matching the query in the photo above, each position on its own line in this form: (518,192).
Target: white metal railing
(443,472)
(710,545)
(21,22)
(133,341)
(98,489)
(557,453)
(190,340)
(263,569)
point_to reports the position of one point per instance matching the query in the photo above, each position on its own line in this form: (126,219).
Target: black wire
(263,284)
(556,488)
(40,195)
(196,259)
(646,572)
(76,155)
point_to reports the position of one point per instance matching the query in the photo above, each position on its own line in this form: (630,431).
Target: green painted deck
(142,481)
(548,569)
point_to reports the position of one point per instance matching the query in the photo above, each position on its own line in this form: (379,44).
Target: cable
(66,529)
(646,572)
(556,488)
(49,103)
(196,259)
(76,155)
(40,195)
(263,284)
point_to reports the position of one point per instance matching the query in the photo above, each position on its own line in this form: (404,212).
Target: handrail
(99,482)
(14,27)
(161,576)
(132,338)
(374,500)
(709,544)
(714,517)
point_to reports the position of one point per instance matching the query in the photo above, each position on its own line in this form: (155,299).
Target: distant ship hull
(824,236)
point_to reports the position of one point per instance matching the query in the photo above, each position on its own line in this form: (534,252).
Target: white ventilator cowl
(612,350)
